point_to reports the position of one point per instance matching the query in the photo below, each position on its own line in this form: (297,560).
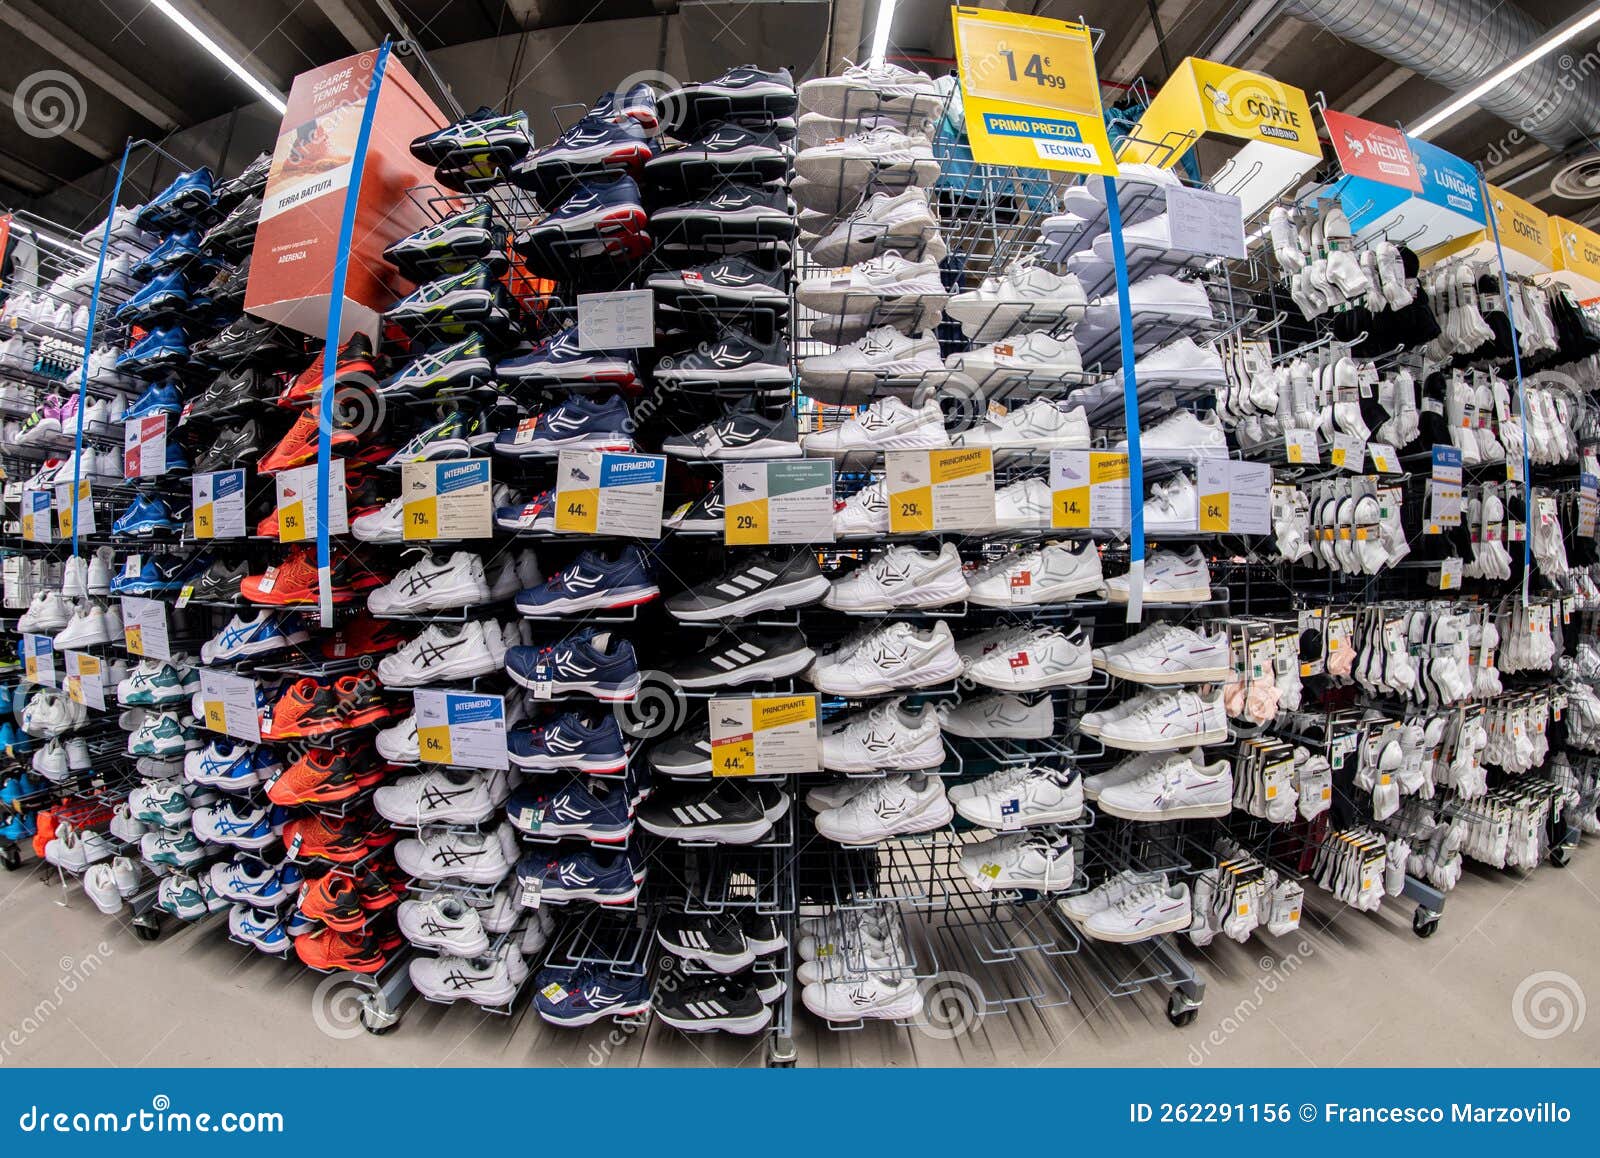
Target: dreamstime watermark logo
(1275,974)
(661,85)
(1548,1004)
(336,1006)
(952,1004)
(358,406)
(74,972)
(49,103)
(656,709)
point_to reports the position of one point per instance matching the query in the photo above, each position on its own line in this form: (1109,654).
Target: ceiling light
(196,34)
(880,33)
(1552,40)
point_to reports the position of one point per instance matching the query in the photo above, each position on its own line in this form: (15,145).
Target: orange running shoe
(333,900)
(293,582)
(283,721)
(361,700)
(363,636)
(336,839)
(328,950)
(299,446)
(355,358)
(267,528)
(321,776)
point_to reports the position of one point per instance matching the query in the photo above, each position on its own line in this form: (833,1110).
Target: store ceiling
(139,75)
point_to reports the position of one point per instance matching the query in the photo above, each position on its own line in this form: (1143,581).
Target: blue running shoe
(568,742)
(300,925)
(167,294)
(176,251)
(257,634)
(263,930)
(160,350)
(145,516)
(188,194)
(8,734)
(589,148)
(592,583)
(576,423)
(6,703)
(559,359)
(585,995)
(596,209)
(160,574)
(19,828)
(10,790)
(158,398)
(247,881)
(589,661)
(586,875)
(588,807)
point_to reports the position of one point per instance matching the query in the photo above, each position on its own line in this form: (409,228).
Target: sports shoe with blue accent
(236,823)
(165,295)
(592,583)
(263,930)
(589,661)
(248,881)
(19,828)
(569,742)
(177,250)
(584,995)
(159,350)
(595,209)
(161,573)
(178,849)
(221,764)
(258,634)
(155,683)
(536,516)
(144,516)
(158,398)
(576,423)
(559,359)
(589,807)
(188,194)
(608,878)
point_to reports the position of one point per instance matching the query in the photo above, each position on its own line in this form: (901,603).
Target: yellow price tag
(205,524)
(1069,509)
(433,745)
(747,524)
(1214,513)
(734,758)
(134,636)
(422,519)
(216,718)
(578,512)
(292,523)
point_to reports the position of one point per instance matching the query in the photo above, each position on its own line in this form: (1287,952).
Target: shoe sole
(602,601)
(595,1015)
(1203,675)
(954,588)
(717,962)
(774,668)
(744,1026)
(866,301)
(1120,938)
(1182,812)
(1059,594)
(589,832)
(921,678)
(1198,740)
(1030,820)
(581,764)
(765,449)
(620,373)
(606,695)
(1180,595)
(778,375)
(794,594)
(550,446)
(594,895)
(745,832)
(907,762)
(450,599)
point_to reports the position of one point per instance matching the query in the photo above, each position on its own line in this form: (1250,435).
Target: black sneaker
(220,583)
(764,934)
(232,391)
(741,92)
(735,281)
(249,341)
(752,583)
(733,357)
(239,446)
(251,183)
(703,514)
(716,942)
(743,434)
(730,211)
(721,152)
(720,813)
(732,1005)
(236,233)
(686,753)
(452,246)
(226,291)
(744,657)
(591,147)
(453,369)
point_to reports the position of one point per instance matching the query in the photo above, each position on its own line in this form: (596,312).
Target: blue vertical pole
(330,353)
(88,341)
(1130,409)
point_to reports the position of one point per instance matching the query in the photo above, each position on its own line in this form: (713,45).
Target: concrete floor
(76,988)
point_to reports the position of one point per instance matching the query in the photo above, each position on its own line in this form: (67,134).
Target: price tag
(461,728)
(1450,575)
(297,503)
(1213,479)
(940,490)
(447,500)
(602,493)
(36,523)
(1110,504)
(1384,458)
(1201,221)
(71,514)
(1588,503)
(144,627)
(85,682)
(1301,447)
(1444,490)
(38,660)
(217,505)
(765,736)
(1069,490)
(624,320)
(230,707)
(1514,468)
(778,502)
(144,447)
(1349,452)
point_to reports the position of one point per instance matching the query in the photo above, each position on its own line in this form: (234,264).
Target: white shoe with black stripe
(753,583)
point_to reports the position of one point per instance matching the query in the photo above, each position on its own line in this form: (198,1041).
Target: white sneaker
(885,155)
(876,997)
(478,857)
(74,580)
(438,655)
(1026,860)
(864,515)
(100,885)
(870,286)
(1000,717)
(125,873)
(894,657)
(1178,789)
(1053,573)
(1180,362)
(887,424)
(485,980)
(902,577)
(84,628)
(386,525)
(517,571)
(1160,296)
(1182,433)
(1038,795)
(1022,506)
(1144,913)
(1173,508)
(1109,892)
(893,806)
(885,359)
(1045,658)
(431,585)
(1034,358)
(1090,723)
(1173,719)
(436,796)
(1041,425)
(881,89)
(888,737)
(1026,297)
(399,744)
(1169,577)
(1176,655)
(883,221)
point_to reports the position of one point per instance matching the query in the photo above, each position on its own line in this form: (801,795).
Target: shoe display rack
(1020,796)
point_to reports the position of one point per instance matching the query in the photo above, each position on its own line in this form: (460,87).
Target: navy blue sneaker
(588,807)
(589,148)
(569,742)
(160,349)
(592,582)
(160,574)
(638,104)
(158,398)
(596,211)
(166,295)
(609,878)
(585,995)
(589,662)
(576,423)
(559,359)
(176,251)
(144,516)
(186,196)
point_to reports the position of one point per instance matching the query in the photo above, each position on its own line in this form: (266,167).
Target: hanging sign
(297,502)
(75,517)
(217,505)
(778,502)
(230,707)
(940,490)
(764,736)
(85,681)
(602,493)
(144,447)
(36,507)
(463,729)
(447,500)
(1372,151)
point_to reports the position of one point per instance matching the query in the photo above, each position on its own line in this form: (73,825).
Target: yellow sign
(205,521)
(1069,508)
(1030,92)
(134,637)
(1204,97)
(578,512)
(747,524)
(216,717)
(292,522)
(1576,254)
(1214,513)
(433,745)
(735,755)
(421,518)
(942,502)
(1528,239)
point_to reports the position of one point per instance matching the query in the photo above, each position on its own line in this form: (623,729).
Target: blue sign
(630,470)
(470,709)
(461,476)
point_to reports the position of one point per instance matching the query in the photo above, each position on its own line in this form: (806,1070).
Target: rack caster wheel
(10,857)
(1424,924)
(378,1019)
(1560,856)
(1181,1010)
(146,928)
(377,1030)
(781,1053)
